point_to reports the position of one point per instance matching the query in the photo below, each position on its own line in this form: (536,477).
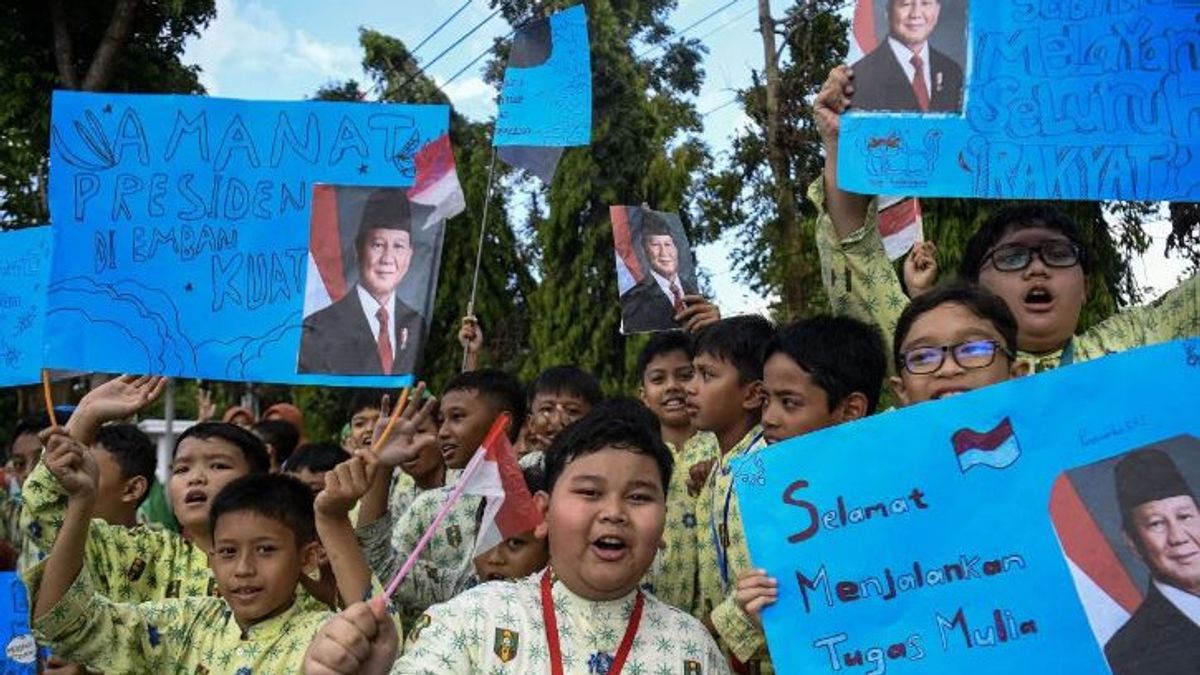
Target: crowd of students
(639,560)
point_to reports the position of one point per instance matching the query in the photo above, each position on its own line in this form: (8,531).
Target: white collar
(665,285)
(1185,602)
(370,305)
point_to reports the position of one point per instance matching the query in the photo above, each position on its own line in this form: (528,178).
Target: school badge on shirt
(692,668)
(506,644)
(600,663)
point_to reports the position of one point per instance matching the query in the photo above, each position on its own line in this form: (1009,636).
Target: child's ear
(641,394)
(310,556)
(752,396)
(853,407)
(541,502)
(133,489)
(1018,369)
(901,391)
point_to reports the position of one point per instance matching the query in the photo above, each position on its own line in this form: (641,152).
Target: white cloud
(469,90)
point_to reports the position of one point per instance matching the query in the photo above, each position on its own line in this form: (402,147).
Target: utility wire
(710,33)
(697,22)
(440,27)
(449,49)
(475,60)
(720,107)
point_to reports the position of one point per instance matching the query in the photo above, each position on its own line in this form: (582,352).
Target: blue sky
(275,50)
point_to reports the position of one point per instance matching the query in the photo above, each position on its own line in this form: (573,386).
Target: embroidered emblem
(506,644)
(136,569)
(453,535)
(422,623)
(173,589)
(600,663)
(692,668)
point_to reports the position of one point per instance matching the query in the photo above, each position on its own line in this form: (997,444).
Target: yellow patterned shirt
(723,555)
(861,283)
(195,635)
(498,628)
(673,577)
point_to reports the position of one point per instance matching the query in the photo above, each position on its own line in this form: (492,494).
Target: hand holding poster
(993,532)
(182,226)
(655,268)
(1027,100)
(24,271)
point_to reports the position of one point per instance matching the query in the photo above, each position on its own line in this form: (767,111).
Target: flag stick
(500,426)
(49,399)
(479,251)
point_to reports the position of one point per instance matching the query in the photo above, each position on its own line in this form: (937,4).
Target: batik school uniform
(195,635)
(672,578)
(127,564)
(723,555)
(401,495)
(530,625)
(862,283)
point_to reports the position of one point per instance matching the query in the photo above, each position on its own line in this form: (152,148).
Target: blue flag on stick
(546,100)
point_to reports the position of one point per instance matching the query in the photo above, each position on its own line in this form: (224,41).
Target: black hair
(31,426)
(740,340)
(498,388)
(279,434)
(1012,218)
(132,450)
(363,399)
(316,457)
(253,449)
(663,343)
(272,495)
(841,354)
(654,223)
(978,300)
(619,422)
(567,379)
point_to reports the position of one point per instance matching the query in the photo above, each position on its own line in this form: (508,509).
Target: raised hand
(920,268)
(121,397)
(832,101)
(359,640)
(755,590)
(346,483)
(407,441)
(206,408)
(71,463)
(697,313)
(470,335)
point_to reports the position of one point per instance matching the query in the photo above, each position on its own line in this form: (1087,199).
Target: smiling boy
(263,537)
(607,477)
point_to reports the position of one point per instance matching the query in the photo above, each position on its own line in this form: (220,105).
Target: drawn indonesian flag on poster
(900,223)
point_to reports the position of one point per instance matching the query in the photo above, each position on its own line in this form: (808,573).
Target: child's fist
(470,335)
(346,483)
(359,640)
(755,590)
(72,464)
(920,268)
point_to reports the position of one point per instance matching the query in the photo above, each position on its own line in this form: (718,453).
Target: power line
(440,27)
(710,33)
(697,22)
(449,49)
(720,107)
(475,60)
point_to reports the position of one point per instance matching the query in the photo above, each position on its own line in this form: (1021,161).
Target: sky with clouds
(271,50)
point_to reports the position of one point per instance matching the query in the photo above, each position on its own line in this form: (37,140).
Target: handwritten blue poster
(24,271)
(999,531)
(20,650)
(181,233)
(1026,100)
(546,98)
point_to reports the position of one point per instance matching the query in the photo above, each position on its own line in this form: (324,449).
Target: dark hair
(132,450)
(841,354)
(273,495)
(253,449)
(619,422)
(385,209)
(567,379)
(501,390)
(363,399)
(316,457)
(1012,218)
(32,426)
(740,340)
(662,343)
(279,434)
(980,301)
(654,223)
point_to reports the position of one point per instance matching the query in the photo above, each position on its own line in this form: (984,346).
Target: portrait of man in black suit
(1161,524)
(652,303)
(905,72)
(370,330)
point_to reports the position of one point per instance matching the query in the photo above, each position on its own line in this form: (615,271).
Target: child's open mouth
(1039,298)
(246,593)
(192,497)
(609,548)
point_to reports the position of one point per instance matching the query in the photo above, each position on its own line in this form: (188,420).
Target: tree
(110,45)
(640,151)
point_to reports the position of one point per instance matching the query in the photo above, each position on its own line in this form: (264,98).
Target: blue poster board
(978,534)
(24,271)
(181,226)
(546,98)
(19,656)
(1062,100)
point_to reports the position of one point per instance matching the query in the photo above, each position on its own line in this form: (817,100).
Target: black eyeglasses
(969,355)
(1016,257)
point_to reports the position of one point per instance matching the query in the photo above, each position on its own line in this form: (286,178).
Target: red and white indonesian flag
(495,475)
(997,448)
(899,217)
(437,181)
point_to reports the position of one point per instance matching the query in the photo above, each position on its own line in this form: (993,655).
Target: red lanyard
(551,623)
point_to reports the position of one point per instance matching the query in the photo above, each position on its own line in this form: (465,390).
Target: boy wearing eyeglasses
(1030,255)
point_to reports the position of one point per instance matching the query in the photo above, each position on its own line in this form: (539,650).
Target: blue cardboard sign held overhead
(546,98)
(983,533)
(24,272)
(181,226)
(1060,100)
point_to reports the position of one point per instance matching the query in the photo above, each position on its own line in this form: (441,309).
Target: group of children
(638,559)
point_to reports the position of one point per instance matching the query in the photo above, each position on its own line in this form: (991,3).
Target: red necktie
(918,82)
(385,341)
(678,297)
